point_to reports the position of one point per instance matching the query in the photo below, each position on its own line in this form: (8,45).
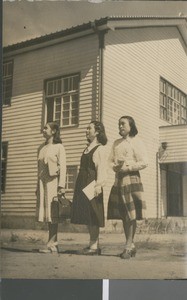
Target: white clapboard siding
(134,60)
(185,195)
(62,59)
(176,139)
(22,121)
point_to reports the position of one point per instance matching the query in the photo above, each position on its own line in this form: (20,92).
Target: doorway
(174,193)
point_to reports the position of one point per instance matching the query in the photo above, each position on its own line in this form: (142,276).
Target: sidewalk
(159,256)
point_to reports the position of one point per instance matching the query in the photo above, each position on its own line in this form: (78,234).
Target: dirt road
(159,256)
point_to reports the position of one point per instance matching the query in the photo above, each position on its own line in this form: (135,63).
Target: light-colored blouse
(53,156)
(100,160)
(131,151)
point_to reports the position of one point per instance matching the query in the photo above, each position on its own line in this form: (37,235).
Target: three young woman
(128,156)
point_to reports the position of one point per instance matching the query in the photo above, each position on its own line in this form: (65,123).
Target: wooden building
(97,71)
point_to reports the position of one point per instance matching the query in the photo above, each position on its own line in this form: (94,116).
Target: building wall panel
(176,139)
(22,121)
(134,60)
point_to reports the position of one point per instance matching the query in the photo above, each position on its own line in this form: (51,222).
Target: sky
(27,19)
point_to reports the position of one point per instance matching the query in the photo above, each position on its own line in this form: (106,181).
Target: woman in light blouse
(51,180)
(90,210)
(127,158)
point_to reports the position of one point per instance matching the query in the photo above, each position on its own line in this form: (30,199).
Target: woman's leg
(128,225)
(52,245)
(93,248)
(53,230)
(130,230)
(94,236)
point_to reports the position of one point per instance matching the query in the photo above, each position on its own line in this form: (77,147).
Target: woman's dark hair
(99,127)
(56,138)
(133,130)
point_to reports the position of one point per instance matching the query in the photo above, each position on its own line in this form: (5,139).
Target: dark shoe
(89,251)
(133,252)
(126,254)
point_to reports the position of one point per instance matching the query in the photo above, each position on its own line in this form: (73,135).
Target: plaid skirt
(126,197)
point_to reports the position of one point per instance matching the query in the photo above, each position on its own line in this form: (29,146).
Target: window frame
(8,101)
(75,172)
(3,178)
(171,103)
(60,96)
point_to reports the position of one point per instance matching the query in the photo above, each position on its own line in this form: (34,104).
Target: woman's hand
(125,169)
(61,191)
(97,190)
(122,169)
(116,168)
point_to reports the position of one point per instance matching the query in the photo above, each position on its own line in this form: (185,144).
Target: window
(62,100)
(71,178)
(173,104)
(4,151)
(7,82)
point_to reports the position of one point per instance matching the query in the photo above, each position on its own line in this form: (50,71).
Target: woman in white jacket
(127,158)
(51,179)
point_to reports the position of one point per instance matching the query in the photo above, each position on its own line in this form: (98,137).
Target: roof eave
(34,44)
(109,23)
(180,23)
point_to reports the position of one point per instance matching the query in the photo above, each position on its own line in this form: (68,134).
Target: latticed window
(62,100)
(173,103)
(71,176)
(7,82)
(4,152)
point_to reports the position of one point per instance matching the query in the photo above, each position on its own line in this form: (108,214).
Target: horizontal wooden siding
(22,121)
(134,60)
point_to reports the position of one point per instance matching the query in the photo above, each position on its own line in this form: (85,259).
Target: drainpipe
(101,34)
(160,156)
(157,185)
(101,47)
(158,180)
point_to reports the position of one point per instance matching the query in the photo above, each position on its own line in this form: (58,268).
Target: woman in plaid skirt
(128,156)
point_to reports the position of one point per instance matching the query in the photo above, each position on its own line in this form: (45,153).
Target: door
(174,194)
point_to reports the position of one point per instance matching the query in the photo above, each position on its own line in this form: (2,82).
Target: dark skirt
(126,198)
(85,211)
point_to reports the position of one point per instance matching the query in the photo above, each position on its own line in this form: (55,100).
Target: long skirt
(47,191)
(126,198)
(85,211)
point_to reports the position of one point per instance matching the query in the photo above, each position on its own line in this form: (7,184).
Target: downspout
(160,157)
(157,186)
(101,34)
(100,87)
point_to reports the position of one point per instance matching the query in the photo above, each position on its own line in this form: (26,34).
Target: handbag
(60,209)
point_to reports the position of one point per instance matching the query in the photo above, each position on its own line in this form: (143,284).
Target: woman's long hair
(133,128)
(99,127)
(56,138)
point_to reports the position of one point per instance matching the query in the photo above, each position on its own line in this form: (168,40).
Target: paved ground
(159,256)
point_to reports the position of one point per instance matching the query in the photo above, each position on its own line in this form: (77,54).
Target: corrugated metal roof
(55,35)
(82,27)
